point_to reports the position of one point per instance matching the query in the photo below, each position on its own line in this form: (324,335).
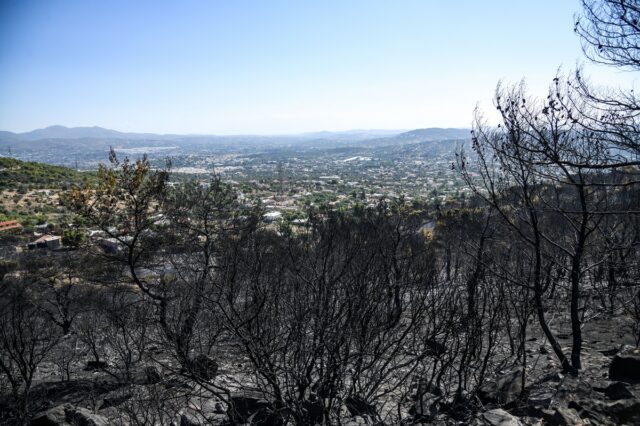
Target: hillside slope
(14,173)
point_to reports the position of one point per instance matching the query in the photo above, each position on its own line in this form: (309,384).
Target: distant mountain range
(62,132)
(72,133)
(85,147)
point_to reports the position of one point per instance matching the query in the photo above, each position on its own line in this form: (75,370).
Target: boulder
(204,367)
(497,417)
(357,406)
(251,408)
(565,417)
(610,352)
(617,390)
(313,412)
(625,411)
(621,412)
(504,390)
(96,365)
(435,348)
(625,366)
(592,410)
(68,415)
(573,388)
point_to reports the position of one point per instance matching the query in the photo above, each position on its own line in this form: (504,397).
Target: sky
(277,66)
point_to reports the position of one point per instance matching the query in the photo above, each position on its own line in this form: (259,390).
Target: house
(271,217)
(10,225)
(49,242)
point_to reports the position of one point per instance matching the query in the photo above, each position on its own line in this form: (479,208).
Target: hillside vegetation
(16,173)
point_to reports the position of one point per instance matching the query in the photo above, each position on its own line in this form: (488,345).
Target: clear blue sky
(269,67)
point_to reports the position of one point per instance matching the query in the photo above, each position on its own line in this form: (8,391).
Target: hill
(15,173)
(62,132)
(95,132)
(434,133)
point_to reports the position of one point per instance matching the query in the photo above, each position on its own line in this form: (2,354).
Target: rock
(626,365)
(265,417)
(551,377)
(435,348)
(504,390)
(115,398)
(204,367)
(313,412)
(148,375)
(617,390)
(625,411)
(572,388)
(189,417)
(610,352)
(251,407)
(565,417)
(527,412)
(357,406)
(356,421)
(152,375)
(497,417)
(68,415)
(531,421)
(178,382)
(589,409)
(96,365)
(202,411)
(541,397)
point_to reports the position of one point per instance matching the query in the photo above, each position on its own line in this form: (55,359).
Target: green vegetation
(23,176)
(29,192)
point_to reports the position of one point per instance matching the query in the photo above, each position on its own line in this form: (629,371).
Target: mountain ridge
(96,132)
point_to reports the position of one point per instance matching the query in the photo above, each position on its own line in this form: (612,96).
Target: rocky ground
(605,392)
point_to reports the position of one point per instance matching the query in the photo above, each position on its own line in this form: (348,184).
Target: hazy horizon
(275,68)
(318,131)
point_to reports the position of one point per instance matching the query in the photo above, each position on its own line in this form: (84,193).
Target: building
(49,242)
(10,225)
(271,217)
